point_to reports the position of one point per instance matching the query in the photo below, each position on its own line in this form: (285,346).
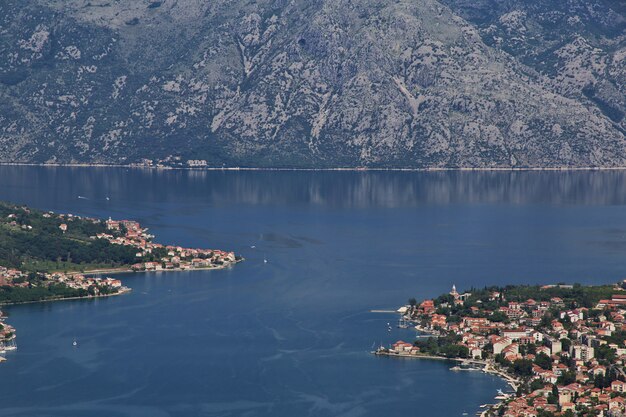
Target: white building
(582,352)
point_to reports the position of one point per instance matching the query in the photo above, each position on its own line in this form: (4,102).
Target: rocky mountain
(314,83)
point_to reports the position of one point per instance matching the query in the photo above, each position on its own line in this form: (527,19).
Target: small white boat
(264,260)
(403,323)
(74,343)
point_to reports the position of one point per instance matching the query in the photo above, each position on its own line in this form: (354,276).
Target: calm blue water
(291,337)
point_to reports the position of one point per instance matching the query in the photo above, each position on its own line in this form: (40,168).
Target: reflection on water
(326,188)
(291,336)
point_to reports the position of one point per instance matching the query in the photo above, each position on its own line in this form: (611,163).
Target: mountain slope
(579,46)
(304,84)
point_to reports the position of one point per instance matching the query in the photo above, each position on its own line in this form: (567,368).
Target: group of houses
(7,336)
(575,398)
(152,257)
(11,277)
(576,356)
(169,256)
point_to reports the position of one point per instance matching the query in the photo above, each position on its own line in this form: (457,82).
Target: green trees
(443,346)
(605,354)
(566,378)
(445,298)
(41,246)
(603,381)
(572,296)
(46,292)
(553,397)
(498,316)
(500,359)
(542,360)
(617,337)
(455,351)
(522,367)
(566,344)
(536,384)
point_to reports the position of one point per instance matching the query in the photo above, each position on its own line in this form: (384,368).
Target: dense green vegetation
(576,296)
(22,295)
(573,296)
(443,346)
(32,241)
(39,293)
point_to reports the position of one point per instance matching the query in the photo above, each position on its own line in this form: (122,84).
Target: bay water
(292,336)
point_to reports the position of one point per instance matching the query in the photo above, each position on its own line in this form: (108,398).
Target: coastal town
(90,247)
(7,336)
(560,347)
(158,257)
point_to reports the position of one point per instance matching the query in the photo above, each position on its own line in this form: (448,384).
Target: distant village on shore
(562,348)
(166,256)
(18,285)
(7,336)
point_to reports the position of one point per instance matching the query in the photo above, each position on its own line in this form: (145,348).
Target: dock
(461,368)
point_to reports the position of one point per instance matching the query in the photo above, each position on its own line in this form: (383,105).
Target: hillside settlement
(561,347)
(38,281)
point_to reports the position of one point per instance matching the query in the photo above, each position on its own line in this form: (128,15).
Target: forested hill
(314,83)
(36,241)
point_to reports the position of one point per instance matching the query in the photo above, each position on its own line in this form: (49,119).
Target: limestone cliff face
(314,83)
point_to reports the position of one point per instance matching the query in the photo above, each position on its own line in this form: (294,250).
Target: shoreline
(83,281)
(116,271)
(488,368)
(123,270)
(123,291)
(337,169)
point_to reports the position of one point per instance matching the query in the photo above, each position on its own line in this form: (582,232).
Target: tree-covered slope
(31,240)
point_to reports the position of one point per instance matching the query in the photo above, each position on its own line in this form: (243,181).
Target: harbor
(468,365)
(553,344)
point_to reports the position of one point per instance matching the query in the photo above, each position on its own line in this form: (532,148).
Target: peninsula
(562,348)
(46,256)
